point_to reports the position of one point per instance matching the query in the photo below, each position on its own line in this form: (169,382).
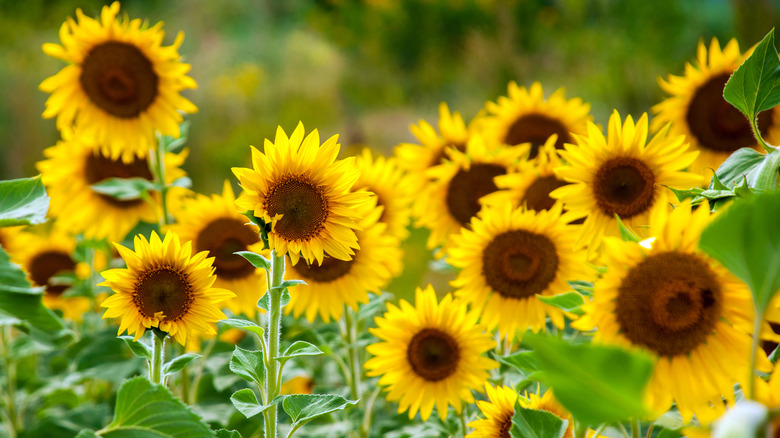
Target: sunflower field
(307,238)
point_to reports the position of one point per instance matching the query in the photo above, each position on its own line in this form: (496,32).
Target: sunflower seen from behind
(430,354)
(498,411)
(164,286)
(298,187)
(213,224)
(668,298)
(381,176)
(121,85)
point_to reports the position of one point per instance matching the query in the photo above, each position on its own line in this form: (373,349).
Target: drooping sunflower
(430,354)
(213,225)
(622,174)
(121,86)
(498,412)
(73,164)
(527,117)
(512,255)
(299,188)
(166,286)
(696,108)
(681,306)
(43,257)
(452,196)
(335,283)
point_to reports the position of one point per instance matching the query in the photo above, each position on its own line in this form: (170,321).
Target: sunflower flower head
(385,179)
(498,411)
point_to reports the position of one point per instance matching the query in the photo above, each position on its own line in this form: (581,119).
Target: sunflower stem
(754,124)
(753,349)
(9,395)
(463,428)
(155,370)
(158,170)
(273,371)
(580,430)
(636,429)
(350,336)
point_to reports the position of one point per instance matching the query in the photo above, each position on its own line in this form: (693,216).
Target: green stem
(600,429)
(464,429)
(754,124)
(9,395)
(157,166)
(367,415)
(185,381)
(273,370)
(201,367)
(759,317)
(635,428)
(155,370)
(350,336)
(580,430)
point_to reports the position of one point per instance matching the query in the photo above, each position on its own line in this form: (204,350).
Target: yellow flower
(498,412)
(300,384)
(121,85)
(430,354)
(382,177)
(164,286)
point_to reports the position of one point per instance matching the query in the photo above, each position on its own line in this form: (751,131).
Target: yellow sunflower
(334,283)
(73,164)
(498,412)
(430,354)
(452,197)
(622,175)
(43,257)
(299,188)
(681,306)
(166,286)
(382,177)
(121,85)
(696,108)
(527,117)
(509,257)
(213,225)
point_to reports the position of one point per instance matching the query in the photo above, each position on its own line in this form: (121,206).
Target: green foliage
(224,433)
(531,423)
(263,302)
(255,259)
(175,145)
(755,85)
(249,365)
(139,347)
(568,302)
(246,402)
(245,325)
(126,189)
(299,348)
(738,167)
(597,384)
(303,408)
(23,202)
(765,174)
(178,363)
(745,240)
(626,233)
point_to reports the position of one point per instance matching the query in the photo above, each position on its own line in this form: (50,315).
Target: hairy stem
(273,333)
(155,368)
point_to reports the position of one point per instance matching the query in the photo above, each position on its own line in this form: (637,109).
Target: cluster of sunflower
(526,200)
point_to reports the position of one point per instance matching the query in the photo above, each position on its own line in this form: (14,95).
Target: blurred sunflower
(382,177)
(336,283)
(164,286)
(681,306)
(299,188)
(498,412)
(509,257)
(43,257)
(621,175)
(452,197)
(121,86)
(74,164)
(213,225)
(430,354)
(696,108)
(527,117)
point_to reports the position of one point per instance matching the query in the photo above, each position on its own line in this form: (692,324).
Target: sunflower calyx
(265,228)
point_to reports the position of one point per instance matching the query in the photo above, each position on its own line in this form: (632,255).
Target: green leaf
(245,325)
(764,176)
(303,408)
(172,144)
(224,433)
(597,384)
(255,259)
(23,202)
(263,302)
(288,284)
(184,181)
(87,433)
(178,364)
(755,85)
(626,233)
(125,189)
(683,194)
(248,365)
(532,423)
(139,348)
(583,287)
(568,302)
(746,239)
(146,409)
(299,348)
(737,166)
(246,402)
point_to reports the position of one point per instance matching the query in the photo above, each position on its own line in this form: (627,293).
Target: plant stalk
(273,332)
(155,370)
(759,317)
(9,395)
(636,429)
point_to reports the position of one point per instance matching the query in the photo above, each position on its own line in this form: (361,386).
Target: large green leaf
(597,384)
(23,202)
(746,239)
(249,365)
(755,85)
(531,423)
(738,166)
(299,348)
(246,402)
(303,408)
(144,409)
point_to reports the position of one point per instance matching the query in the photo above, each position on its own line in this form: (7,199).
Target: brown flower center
(625,186)
(467,186)
(537,195)
(519,264)
(331,269)
(222,238)
(506,425)
(716,124)
(433,354)
(48,264)
(119,79)
(98,168)
(536,129)
(163,290)
(669,303)
(302,204)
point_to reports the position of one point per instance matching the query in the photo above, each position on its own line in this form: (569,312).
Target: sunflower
(498,412)
(430,354)
(43,257)
(509,257)
(682,307)
(213,225)
(335,283)
(382,177)
(164,286)
(299,188)
(696,108)
(74,164)
(527,117)
(121,86)
(452,197)
(622,175)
